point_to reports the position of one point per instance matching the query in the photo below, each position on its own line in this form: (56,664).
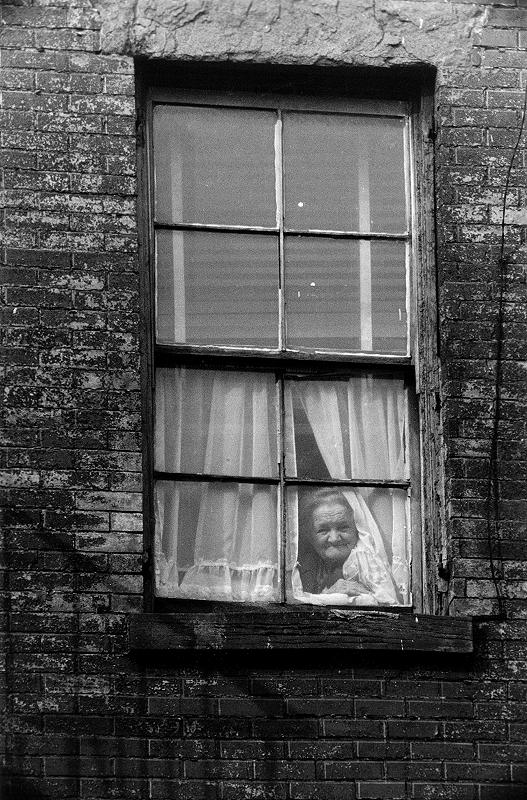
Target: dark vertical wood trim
(424,434)
(282,517)
(427,361)
(146,331)
(416,500)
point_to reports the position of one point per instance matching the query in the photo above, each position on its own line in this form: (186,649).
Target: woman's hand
(366,599)
(349,587)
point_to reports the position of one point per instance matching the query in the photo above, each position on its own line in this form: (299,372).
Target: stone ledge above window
(260,628)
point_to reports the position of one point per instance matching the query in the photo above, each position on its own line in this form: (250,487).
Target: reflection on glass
(348,546)
(343,429)
(214,165)
(345,294)
(344,172)
(216,422)
(217,288)
(216,541)
(388,297)
(322,293)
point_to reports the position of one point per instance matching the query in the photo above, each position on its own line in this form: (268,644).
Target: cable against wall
(493,485)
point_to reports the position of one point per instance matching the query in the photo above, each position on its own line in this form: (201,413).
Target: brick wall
(481,180)
(83,717)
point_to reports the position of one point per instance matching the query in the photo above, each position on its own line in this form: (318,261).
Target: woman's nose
(333,535)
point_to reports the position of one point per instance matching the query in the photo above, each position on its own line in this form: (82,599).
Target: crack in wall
(377,20)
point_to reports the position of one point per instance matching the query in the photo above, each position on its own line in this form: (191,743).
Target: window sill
(264,628)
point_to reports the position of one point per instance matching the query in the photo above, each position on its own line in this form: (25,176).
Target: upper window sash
(363,239)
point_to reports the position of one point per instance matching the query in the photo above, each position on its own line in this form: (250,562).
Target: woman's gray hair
(311,501)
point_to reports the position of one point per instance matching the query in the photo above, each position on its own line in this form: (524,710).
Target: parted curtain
(359,428)
(220,540)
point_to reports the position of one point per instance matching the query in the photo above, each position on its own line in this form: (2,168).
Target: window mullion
(279,169)
(282,541)
(279,172)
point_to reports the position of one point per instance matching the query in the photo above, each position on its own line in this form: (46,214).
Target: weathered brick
(350,728)
(334,790)
(64,40)
(444,791)
(409,729)
(88,718)
(496,37)
(373,790)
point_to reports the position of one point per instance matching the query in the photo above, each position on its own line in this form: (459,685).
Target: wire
(493,486)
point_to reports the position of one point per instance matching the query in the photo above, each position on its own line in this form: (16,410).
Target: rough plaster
(333,32)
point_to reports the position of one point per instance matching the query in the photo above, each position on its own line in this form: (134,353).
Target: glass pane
(217,288)
(352,428)
(322,293)
(345,294)
(388,297)
(218,423)
(216,541)
(214,165)
(347,546)
(344,173)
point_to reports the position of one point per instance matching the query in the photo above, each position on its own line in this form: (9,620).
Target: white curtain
(219,540)
(378,406)
(216,540)
(359,429)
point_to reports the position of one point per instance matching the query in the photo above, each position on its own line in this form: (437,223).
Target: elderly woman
(341,558)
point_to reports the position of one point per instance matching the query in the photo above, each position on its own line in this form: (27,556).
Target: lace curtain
(216,540)
(220,540)
(359,427)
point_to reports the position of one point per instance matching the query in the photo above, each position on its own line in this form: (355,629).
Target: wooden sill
(264,628)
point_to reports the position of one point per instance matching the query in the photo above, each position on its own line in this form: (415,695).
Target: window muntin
(325,277)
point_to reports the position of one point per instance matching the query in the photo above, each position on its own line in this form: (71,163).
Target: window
(285,465)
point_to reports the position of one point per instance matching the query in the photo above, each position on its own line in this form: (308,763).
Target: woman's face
(334,533)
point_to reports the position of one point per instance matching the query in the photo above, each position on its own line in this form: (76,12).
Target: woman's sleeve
(374,574)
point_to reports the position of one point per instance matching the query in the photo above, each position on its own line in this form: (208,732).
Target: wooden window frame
(283,618)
